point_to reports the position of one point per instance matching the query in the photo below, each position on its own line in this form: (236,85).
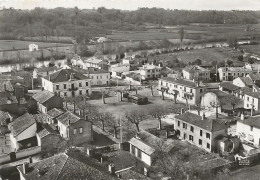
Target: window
(191,129)
(65,93)
(190,137)
(57,87)
(179,123)
(87,91)
(208,145)
(200,132)
(64,86)
(80,130)
(80,92)
(185,89)
(139,154)
(91,77)
(247,98)
(100,77)
(133,149)
(201,90)
(190,90)
(200,142)
(251,128)
(184,125)
(97,77)
(80,84)
(75,131)
(86,83)
(208,135)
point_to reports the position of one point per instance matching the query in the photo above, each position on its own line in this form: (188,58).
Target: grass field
(252,49)
(18,45)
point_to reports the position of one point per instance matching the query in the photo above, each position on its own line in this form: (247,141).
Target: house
(134,78)
(230,73)
(33,47)
(98,77)
(5,118)
(9,103)
(145,147)
(251,99)
(43,71)
(74,128)
(128,60)
(77,61)
(20,90)
(25,75)
(197,73)
(150,71)
(228,87)
(248,130)
(53,114)
(67,83)
(22,128)
(183,90)
(199,130)
(48,138)
(94,62)
(65,167)
(255,78)
(117,70)
(46,101)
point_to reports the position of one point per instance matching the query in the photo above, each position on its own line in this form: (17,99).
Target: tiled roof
(195,68)
(90,71)
(22,123)
(7,98)
(184,82)
(206,124)
(229,86)
(63,75)
(94,60)
(6,86)
(3,117)
(54,112)
(47,129)
(41,118)
(8,77)
(63,167)
(252,121)
(247,81)
(68,118)
(43,96)
(254,77)
(142,146)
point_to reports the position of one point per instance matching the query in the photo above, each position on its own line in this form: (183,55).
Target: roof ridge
(67,157)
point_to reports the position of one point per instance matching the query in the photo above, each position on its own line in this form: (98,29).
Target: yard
(20,45)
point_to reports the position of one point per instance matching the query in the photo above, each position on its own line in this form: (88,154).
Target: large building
(184,90)
(230,73)
(199,130)
(197,73)
(67,83)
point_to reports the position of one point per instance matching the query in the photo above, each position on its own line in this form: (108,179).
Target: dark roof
(248,91)
(7,98)
(55,112)
(90,71)
(41,118)
(131,174)
(254,77)
(184,82)
(63,167)
(133,75)
(252,121)
(195,68)
(64,75)
(47,129)
(206,124)
(247,81)
(68,118)
(43,96)
(3,117)
(229,86)
(6,86)
(21,124)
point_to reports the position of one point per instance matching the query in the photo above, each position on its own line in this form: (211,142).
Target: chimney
(101,159)
(242,116)
(203,116)
(111,169)
(30,159)
(25,167)
(86,117)
(182,111)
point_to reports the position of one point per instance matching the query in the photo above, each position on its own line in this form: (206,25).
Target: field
(19,45)
(255,49)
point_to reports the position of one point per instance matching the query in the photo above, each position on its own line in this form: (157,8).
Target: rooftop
(90,71)
(184,82)
(3,117)
(8,98)
(47,129)
(254,77)
(235,69)
(206,124)
(6,86)
(46,69)
(150,66)
(252,121)
(68,118)
(21,123)
(55,112)
(247,81)
(41,118)
(229,86)
(64,75)
(195,68)
(43,96)
(93,60)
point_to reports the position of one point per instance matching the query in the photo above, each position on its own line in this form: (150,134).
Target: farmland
(255,49)
(20,45)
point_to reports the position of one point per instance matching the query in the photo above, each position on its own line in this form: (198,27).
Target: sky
(135,4)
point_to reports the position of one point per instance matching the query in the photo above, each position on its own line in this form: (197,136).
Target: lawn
(18,45)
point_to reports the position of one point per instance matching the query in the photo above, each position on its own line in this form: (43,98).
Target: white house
(22,128)
(33,47)
(150,71)
(94,62)
(117,69)
(197,73)
(67,82)
(77,61)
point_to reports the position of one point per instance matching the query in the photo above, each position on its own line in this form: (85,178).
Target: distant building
(46,101)
(33,47)
(117,70)
(230,73)
(77,61)
(199,130)
(74,128)
(67,83)
(44,71)
(197,73)
(184,90)
(150,71)
(94,62)
(102,39)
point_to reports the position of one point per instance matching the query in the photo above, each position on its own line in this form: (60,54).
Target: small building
(199,130)
(228,87)
(94,62)
(9,103)
(67,83)
(20,90)
(22,128)
(53,114)
(118,69)
(150,71)
(33,47)
(46,101)
(74,128)
(197,73)
(138,99)
(43,71)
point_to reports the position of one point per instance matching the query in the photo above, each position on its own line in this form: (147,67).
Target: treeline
(84,24)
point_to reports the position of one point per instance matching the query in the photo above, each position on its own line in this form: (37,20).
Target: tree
(233,101)
(251,60)
(159,112)
(142,46)
(115,124)
(135,116)
(181,33)
(197,62)
(229,62)
(240,57)
(104,94)
(103,117)
(233,42)
(175,95)
(165,43)
(151,87)
(216,104)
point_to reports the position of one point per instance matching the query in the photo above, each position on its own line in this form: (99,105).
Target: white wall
(238,82)
(246,130)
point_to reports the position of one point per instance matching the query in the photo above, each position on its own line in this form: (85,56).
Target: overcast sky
(134,4)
